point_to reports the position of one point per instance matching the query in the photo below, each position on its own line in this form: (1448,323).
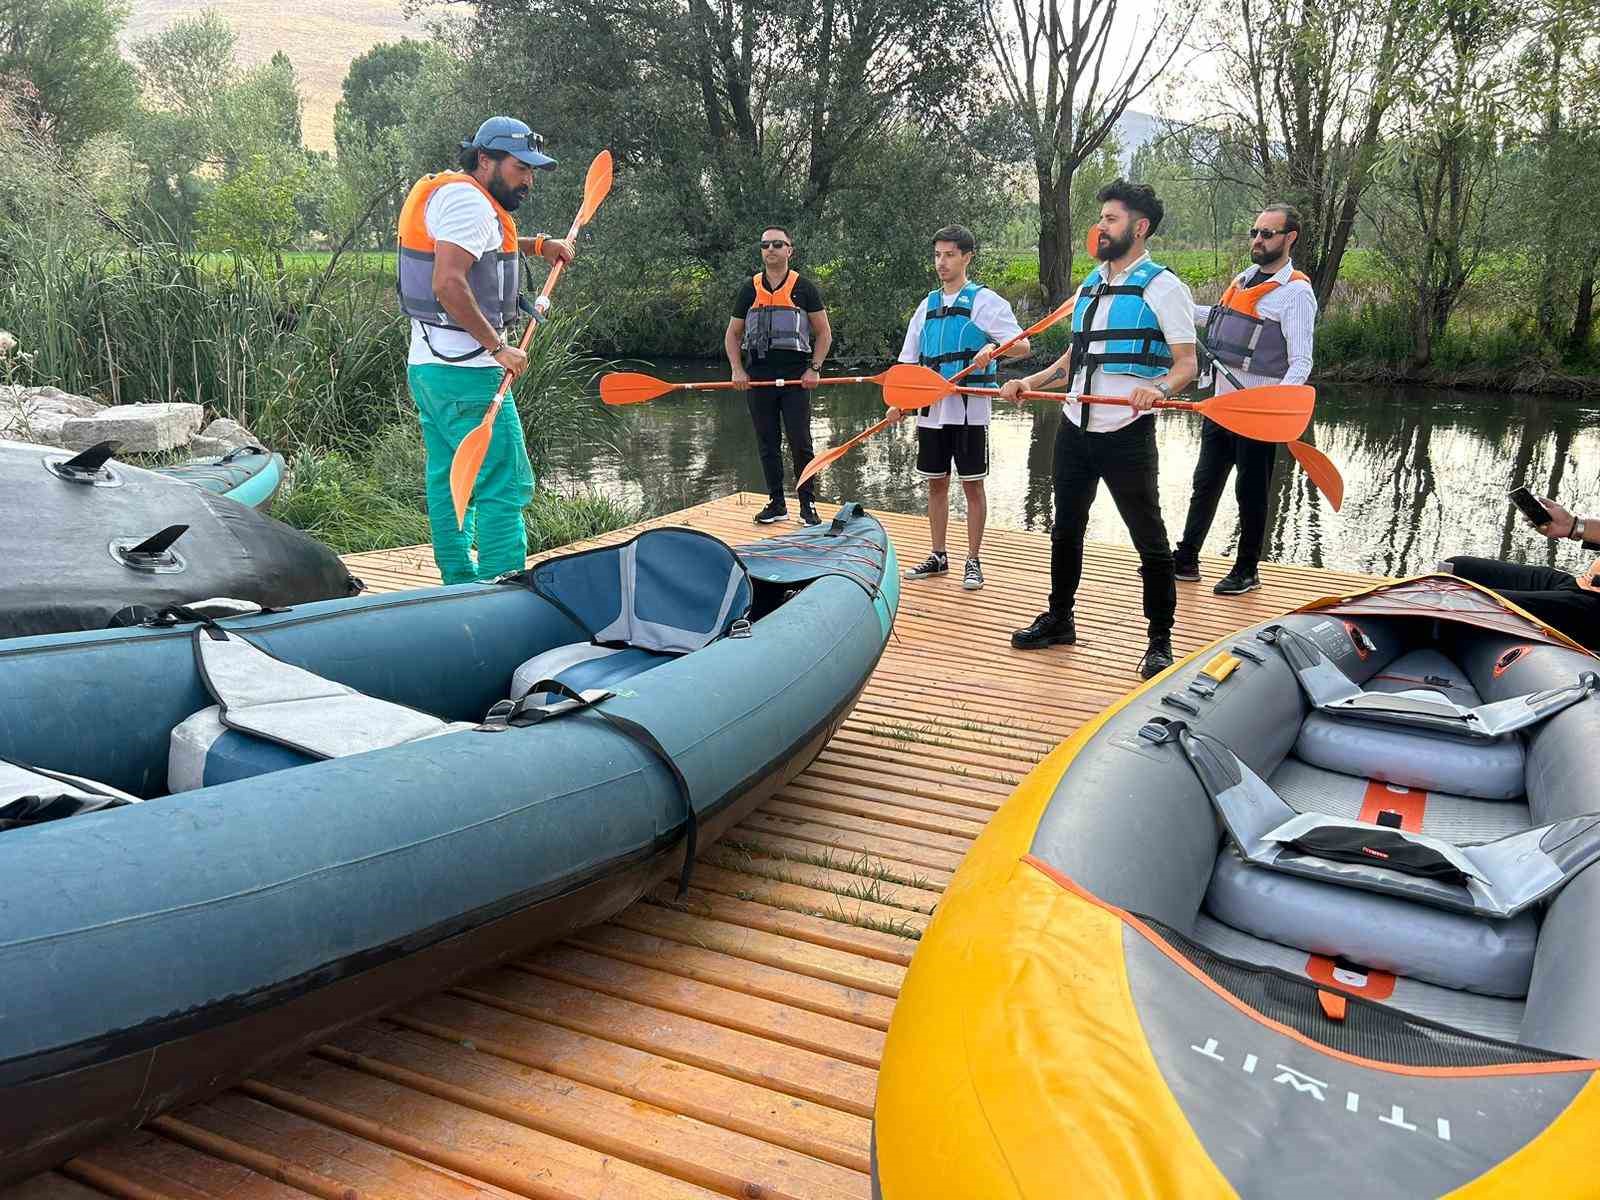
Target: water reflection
(1426,471)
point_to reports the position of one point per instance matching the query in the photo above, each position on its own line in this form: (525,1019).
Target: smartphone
(1525,500)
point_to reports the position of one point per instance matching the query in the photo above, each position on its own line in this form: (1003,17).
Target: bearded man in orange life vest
(779,330)
(460,282)
(1262,330)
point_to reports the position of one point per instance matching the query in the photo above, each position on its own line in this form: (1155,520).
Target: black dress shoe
(1157,657)
(1047,629)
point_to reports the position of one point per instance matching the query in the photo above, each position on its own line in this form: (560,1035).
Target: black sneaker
(1237,583)
(776,510)
(972,576)
(1047,629)
(934,564)
(1157,657)
(808,513)
(1186,570)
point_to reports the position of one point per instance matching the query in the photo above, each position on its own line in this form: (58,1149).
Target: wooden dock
(726,1046)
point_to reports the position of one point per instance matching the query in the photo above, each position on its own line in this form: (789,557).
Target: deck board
(724,1044)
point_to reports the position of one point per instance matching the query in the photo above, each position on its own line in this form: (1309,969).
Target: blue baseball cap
(515,138)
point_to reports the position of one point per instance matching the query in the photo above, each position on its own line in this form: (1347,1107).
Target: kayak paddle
(468,460)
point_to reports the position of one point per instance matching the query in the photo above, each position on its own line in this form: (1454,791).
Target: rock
(137,428)
(37,414)
(221,436)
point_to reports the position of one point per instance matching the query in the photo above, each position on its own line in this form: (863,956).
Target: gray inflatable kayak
(1311,913)
(220,841)
(250,475)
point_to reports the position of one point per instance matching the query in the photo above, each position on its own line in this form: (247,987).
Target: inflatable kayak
(249,475)
(220,841)
(1311,913)
(85,538)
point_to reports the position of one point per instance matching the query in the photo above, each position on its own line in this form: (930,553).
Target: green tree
(254,213)
(377,92)
(59,60)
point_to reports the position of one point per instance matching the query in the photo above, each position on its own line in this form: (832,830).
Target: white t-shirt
(990,313)
(462,215)
(1293,304)
(1169,297)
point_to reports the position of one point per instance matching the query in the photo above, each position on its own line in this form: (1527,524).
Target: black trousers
(1126,461)
(777,411)
(1552,596)
(1252,462)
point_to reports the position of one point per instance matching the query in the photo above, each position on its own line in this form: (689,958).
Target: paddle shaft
(1066,397)
(724,385)
(533,323)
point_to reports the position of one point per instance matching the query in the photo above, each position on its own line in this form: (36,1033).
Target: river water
(1425,470)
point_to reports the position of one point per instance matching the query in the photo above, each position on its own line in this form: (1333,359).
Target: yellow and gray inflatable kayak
(1309,914)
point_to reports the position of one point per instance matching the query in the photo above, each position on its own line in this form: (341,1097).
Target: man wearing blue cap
(460,283)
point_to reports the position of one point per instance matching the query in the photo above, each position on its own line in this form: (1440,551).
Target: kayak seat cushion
(1458,950)
(32,795)
(1448,815)
(667,590)
(1417,758)
(583,665)
(203,752)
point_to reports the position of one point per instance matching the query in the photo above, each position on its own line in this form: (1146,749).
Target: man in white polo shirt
(1133,336)
(1261,330)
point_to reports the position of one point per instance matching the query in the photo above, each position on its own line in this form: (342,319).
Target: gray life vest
(1237,335)
(774,321)
(494,279)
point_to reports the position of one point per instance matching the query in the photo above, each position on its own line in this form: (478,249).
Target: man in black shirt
(779,330)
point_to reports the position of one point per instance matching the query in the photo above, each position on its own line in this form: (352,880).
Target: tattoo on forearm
(1056,375)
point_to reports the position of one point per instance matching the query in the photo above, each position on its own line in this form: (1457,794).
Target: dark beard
(1110,249)
(1260,255)
(506,196)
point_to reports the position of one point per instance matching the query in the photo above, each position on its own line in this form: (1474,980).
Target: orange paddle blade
(910,385)
(468,461)
(1320,470)
(834,453)
(596,185)
(632,387)
(1277,412)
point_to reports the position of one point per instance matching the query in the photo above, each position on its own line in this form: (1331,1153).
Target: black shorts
(965,445)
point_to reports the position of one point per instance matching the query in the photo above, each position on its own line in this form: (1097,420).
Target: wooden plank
(150,1166)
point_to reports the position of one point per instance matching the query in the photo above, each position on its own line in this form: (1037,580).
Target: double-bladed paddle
(834,453)
(1319,468)
(634,387)
(468,460)
(1274,413)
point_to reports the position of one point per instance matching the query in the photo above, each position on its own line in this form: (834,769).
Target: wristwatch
(1165,389)
(1580,533)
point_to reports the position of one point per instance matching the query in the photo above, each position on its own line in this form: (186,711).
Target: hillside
(319,36)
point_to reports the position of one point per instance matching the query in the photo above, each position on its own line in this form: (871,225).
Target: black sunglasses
(1266,234)
(773,245)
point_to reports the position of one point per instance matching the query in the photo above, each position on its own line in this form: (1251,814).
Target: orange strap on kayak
(1333,1004)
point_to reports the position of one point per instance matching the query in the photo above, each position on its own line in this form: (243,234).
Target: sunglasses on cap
(1266,234)
(777,244)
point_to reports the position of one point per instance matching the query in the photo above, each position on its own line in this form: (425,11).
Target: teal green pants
(450,402)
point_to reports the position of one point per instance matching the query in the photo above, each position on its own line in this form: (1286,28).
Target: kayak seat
(1448,815)
(663,594)
(1464,951)
(271,715)
(32,795)
(583,665)
(1489,769)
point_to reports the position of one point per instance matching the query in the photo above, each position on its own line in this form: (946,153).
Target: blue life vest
(1132,342)
(949,338)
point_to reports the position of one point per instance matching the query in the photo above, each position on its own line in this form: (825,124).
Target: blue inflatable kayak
(249,475)
(221,840)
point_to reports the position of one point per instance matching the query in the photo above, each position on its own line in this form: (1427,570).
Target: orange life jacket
(495,278)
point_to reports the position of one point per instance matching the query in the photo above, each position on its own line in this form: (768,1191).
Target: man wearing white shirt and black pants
(961,324)
(1262,329)
(1133,336)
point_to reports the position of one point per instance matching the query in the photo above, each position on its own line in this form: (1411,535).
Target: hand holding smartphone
(1530,506)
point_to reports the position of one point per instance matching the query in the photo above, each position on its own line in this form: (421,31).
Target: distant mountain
(320,37)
